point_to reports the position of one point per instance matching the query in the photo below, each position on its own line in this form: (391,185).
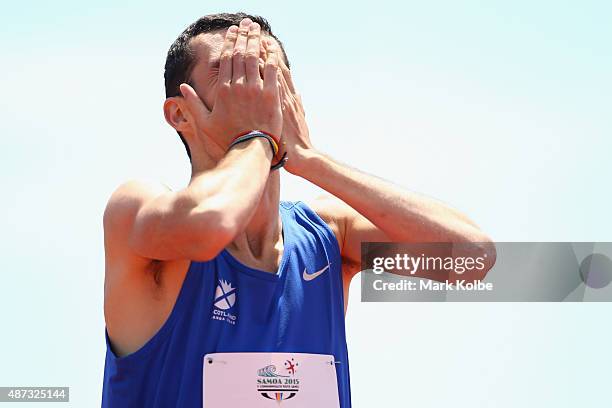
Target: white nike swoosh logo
(310,276)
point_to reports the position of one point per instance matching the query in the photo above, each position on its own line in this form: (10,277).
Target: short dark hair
(181,59)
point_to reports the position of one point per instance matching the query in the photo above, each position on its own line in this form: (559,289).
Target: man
(220,266)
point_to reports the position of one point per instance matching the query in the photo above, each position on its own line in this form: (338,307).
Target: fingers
(253,51)
(285,93)
(263,56)
(225,61)
(194,104)
(238,74)
(271,71)
(287,75)
(289,97)
(282,66)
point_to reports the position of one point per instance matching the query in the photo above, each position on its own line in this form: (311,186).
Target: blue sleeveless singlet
(226,306)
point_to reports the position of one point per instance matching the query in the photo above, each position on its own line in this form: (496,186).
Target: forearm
(198,221)
(372,210)
(402,215)
(230,192)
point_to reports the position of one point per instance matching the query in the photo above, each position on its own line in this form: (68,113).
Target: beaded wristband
(243,137)
(253,134)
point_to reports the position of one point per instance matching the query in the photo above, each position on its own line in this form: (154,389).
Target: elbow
(477,255)
(216,232)
(489,255)
(219,224)
(485,254)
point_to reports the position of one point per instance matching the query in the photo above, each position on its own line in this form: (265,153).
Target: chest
(300,307)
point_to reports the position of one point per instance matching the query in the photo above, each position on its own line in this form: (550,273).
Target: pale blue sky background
(500,108)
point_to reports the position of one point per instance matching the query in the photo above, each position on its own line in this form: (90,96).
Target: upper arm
(151,221)
(122,211)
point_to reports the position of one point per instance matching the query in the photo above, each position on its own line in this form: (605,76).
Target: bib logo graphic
(278,386)
(225,299)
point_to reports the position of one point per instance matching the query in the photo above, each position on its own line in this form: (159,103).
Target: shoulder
(334,212)
(337,215)
(127,199)
(331,209)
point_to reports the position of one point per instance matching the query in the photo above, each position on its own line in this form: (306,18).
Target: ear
(176,113)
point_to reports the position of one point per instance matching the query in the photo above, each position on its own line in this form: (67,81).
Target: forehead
(207,47)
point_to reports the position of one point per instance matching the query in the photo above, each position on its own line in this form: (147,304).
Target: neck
(203,156)
(261,238)
(260,243)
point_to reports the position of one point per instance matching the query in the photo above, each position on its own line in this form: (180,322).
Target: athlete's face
(205,73)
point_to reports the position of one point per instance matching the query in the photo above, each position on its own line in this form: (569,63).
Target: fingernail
(254,26)
(233,29)
(245,22)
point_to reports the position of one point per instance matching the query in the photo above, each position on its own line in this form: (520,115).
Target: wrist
(304,160)
(254,134)
(258,144)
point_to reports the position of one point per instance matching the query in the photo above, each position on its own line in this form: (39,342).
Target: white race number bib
(272,380)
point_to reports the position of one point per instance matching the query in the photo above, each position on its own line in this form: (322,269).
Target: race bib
(269,380)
